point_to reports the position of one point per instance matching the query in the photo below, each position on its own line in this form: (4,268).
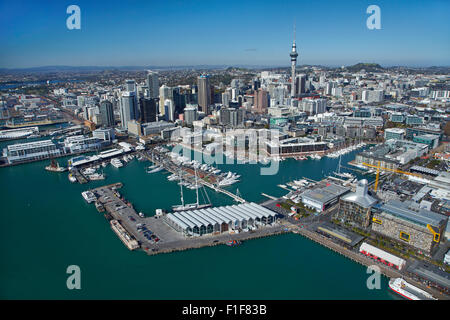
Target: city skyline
(35,34)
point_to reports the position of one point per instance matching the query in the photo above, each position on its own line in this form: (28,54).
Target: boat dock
(270,197)
(191,178)
(79,176)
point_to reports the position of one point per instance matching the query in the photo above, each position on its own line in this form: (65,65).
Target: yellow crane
(380,168)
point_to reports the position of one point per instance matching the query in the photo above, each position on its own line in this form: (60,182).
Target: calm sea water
(46,226)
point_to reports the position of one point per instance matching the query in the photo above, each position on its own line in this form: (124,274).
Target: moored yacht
(116,163)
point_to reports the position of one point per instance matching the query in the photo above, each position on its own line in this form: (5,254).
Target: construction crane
(379,168)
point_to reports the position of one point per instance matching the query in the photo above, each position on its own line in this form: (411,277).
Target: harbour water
(47,226)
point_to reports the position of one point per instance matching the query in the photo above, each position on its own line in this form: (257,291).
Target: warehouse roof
(421,217)
(326,194)
(226,214)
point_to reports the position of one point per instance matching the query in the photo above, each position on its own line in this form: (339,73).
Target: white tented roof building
(381,255)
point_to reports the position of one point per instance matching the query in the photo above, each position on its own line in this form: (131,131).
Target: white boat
(227,182)
(116,163)
(88,196)
(157,169)
(72,178)
(408,291)
(96,176)
(88,171)
(173,177)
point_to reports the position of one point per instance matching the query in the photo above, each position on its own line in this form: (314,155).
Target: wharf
(170,240)
(363,260)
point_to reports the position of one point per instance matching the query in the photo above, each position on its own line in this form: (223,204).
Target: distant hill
(369,67)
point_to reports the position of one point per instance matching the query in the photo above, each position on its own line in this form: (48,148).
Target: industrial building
(355,207)
(413,226)
(221,219)
(321,199)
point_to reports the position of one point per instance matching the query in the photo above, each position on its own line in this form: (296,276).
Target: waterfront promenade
(363,260)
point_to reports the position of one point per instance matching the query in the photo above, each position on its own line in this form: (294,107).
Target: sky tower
(294,56)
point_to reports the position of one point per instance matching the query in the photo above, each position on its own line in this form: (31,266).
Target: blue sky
(247,32)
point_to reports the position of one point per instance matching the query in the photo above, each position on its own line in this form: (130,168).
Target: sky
(33,33)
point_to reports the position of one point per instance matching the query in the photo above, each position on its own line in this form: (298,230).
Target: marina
(248,239)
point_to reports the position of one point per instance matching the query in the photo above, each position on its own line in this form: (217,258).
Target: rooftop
(419,217)
(326,194)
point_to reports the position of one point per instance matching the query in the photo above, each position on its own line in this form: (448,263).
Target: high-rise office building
(314,106)
(300,84)
(169,110)
(190,114)
(231,116)
(106,113)
(204,93)
(165,93)
(153,84)
(329,88)
(148,110)
(128,108)
(130,85)
(261,101)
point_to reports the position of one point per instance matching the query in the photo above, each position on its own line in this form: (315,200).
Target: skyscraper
(152,84)
(165,93)
(300,84)
(128,108)
(204,93)
(106,113)
(169,110)
(148,110)
(294,56)
(130,85)
(190,114)
(261,101)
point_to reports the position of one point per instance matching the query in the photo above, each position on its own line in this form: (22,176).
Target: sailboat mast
(196,185)
(181,188)
(339,167)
